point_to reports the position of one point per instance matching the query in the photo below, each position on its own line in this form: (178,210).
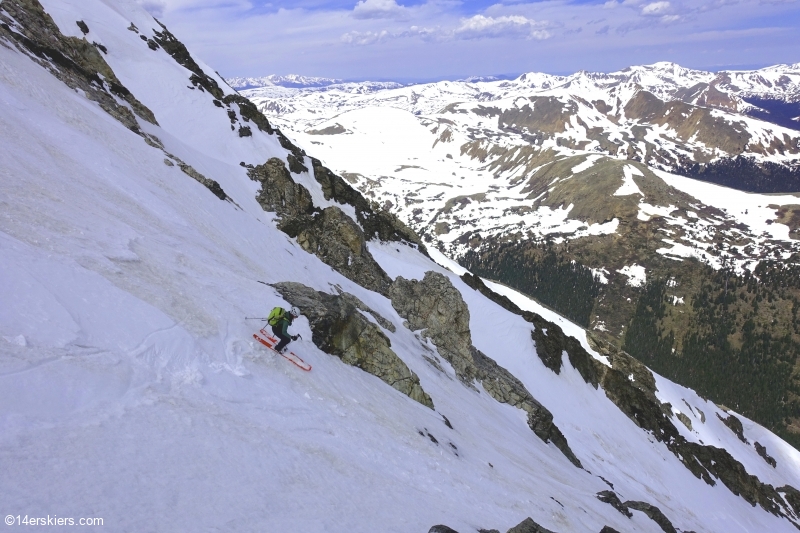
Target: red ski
(269,341)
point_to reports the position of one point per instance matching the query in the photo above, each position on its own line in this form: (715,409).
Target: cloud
(473,28)
(434,38)
(481,27)
(655,8)
(378,9)
(364,38)
(154,7)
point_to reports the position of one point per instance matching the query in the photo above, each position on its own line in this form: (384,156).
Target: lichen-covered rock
(339,242)
(792,496)
(528,526)
(212,185)
(296,164)
(249,112)
(338,328)
(435,306)
(685,420)
(279,193)
(181,55)
(328,233)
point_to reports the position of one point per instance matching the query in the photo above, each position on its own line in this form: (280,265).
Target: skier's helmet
(294,312)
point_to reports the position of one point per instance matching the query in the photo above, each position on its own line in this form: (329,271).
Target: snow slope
(131,388)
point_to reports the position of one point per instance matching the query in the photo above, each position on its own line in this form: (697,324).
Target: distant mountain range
(576,189)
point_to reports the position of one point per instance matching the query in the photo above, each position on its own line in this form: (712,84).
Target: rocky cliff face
(435,306)
(77,62)
(328,233)
(340,329)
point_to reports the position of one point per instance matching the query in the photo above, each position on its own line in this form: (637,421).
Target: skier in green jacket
(280,326)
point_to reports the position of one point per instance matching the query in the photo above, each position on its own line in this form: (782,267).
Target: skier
(280,320)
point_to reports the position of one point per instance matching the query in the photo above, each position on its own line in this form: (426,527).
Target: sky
(423,40)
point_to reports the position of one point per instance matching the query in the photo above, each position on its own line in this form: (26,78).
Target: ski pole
(253,318)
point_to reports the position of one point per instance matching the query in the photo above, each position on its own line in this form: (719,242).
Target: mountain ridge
(583,180)
(128,368)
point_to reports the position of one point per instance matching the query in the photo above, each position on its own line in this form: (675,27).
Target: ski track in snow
(139,395)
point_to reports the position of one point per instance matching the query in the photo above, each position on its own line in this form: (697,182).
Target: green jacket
(284,323)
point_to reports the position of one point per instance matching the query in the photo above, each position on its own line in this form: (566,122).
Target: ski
(269,341)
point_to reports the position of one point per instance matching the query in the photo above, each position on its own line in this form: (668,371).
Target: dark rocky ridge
(435,306)
(328,233)
(637,400)
(376,222)
(339,329)
(79,65)
(74,61)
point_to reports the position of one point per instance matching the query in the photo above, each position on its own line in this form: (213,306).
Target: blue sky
(439,39)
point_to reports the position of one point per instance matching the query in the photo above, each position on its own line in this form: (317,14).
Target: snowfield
(131,388)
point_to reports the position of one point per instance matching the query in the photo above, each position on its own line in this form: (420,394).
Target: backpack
(275,316)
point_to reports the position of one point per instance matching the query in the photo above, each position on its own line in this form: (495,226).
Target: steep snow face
(131,389)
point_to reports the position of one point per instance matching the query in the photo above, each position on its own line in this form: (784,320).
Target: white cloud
(655,8)
(378,9)
(323,37)
(480,27)
(364,38)
(474,28)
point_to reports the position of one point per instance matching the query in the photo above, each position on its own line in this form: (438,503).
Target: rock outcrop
(76,62)
(654,513)
(610,497)
(435,306)
(439,528)
(735,425)
(80,65)
(338,328)
(636,398)
(762,451)
(328,233)
(528,526)
(376,222)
